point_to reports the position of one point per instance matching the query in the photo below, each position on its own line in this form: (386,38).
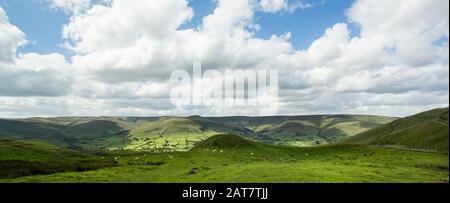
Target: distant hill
(182,133)
(74,133)
(427,130)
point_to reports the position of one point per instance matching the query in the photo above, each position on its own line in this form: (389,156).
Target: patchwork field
(164,134)
(304,149)
(228,158)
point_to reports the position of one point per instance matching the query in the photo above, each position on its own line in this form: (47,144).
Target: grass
(139,150)
(167,134)
(162,134)
(427,130)
(227,158)
(34,158)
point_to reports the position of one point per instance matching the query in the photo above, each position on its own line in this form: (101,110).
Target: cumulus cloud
(141,49)
(105,27)
(274,6)
(36,75)
(29,74)
(10,38)
(124,52)
(70,6)
(395,57)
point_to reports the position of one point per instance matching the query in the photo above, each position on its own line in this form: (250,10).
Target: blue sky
(43,25)
(305,25)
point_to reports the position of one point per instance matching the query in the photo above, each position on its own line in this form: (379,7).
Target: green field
(228,158)
(164,134)
(228,150)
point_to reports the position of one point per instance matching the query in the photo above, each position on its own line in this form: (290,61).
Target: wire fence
(399,147)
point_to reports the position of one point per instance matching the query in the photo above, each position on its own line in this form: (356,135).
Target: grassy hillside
(226,149)
(226,141)
(427,130)
(230,158)
(34,158)
(73,133)
(304,130)
(167,134)
(180,134)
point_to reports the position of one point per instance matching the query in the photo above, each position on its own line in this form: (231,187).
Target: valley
(298,149)
(164,134)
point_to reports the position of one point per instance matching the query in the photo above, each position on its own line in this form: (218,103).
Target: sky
(115,57)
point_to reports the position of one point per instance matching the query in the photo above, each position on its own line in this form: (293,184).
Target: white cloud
(330,46)
(151,51)
(70,6)
(10,38)
(29,74)
(36,75)
(126,50)
(395,55)
(404,26)
(275,6)
(105,27)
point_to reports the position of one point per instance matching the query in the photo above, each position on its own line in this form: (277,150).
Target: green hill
(161,134)
(230,158)
(73,133)
(226,141)
(224,149)
(427,130)
(167,134)
(28,158)
(304,130)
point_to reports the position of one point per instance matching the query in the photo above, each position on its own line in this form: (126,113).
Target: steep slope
(24,158)
(96,134)
(304,130)
(181,133)
(427,130)
(168,134)
(75,133)
(25,130)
